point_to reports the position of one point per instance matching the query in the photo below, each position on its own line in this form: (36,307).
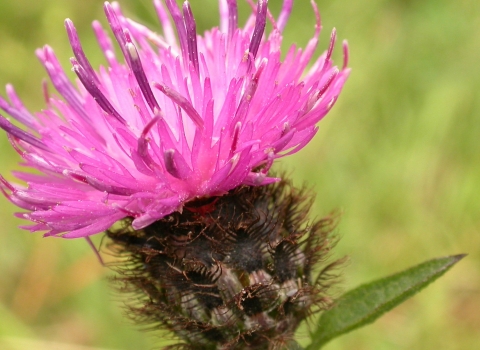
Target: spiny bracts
(229,272)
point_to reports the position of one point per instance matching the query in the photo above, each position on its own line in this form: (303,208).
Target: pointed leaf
(366,303)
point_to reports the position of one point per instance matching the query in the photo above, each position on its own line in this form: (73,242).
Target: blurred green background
(399,155)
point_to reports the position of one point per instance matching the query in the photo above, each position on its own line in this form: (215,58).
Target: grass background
(399,155)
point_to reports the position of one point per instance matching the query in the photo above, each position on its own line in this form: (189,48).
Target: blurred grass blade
(292,345)
(11,325)
(366,303)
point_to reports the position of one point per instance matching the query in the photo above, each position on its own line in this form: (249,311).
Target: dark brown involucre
(230,272)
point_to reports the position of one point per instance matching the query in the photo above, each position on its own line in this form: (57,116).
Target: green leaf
(368,302)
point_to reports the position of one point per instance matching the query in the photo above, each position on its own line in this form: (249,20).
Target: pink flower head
(179,117)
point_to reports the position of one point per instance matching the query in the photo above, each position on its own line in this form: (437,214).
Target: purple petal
(191,30)
(78,50)
(21,134)
(176,165)
(182,102)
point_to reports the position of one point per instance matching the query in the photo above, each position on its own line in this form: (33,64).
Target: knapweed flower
(176,144)
(178,117)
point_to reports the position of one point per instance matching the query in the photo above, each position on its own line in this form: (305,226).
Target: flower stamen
(89,83)
(260,23)
(182,102)
(191,29)
(137,69)
(176,165)
(142,143)
(78,50)
(15,131)
(247,97)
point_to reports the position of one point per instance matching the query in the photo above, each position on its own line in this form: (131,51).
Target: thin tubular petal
(247,97)
(191,29)
(139,72)
(232,18)
(236,131)
(142,145)
(22,116)
(180,25)
(78,50)
(115,26)
(333,39)
(182,102)
(166,24)
(284,14)
(345,54)
(60,80)
(21,134)
(325,87)
(259,29)
(176,165)
(102,37)
(89,84)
